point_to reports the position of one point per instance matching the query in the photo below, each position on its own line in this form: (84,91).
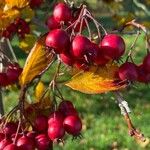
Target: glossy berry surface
(73,125)
(58,40)
(43,142)
(11,147)
(41,123)
(80,46)
(113,46)
(10,128)
(67,59)
(128,71)
(25,143)
(146,63)
(56,131)
(62,12)
(52,23)
(4,143)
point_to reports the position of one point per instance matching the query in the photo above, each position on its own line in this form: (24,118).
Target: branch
(125,110)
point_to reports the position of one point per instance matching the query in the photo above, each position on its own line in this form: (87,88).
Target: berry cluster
(45,130)
(19,26)
(78,50)
(66,118)
(28,140)
(132,72)
(10,75)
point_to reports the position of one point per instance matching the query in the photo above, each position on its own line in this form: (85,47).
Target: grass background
(103,126)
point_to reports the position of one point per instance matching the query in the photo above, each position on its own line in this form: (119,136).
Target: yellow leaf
(96,80)
(27,13)
(27,43)
(39,90)
(7,17)
(37,61)
(16,3)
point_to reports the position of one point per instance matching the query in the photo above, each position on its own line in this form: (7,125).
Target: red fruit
(35,3)
(43,142)
(31,134)
(143,76)
(128,71)
(52,23)
(80,46)
(56,116)
(56,131)
(62,12)
(81,65)
(73,125)
(96,55)
(67,59)
(113,46)
(64,105)
(2,136)
(13,136)
(25,143)
(41,123)
(4,143)
(58,39)
(146,63)
(70,112)
(10,128)
(12,74)
(11,147)
(3,79)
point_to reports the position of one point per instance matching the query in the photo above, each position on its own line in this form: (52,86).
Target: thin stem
(88,27)
(11,50)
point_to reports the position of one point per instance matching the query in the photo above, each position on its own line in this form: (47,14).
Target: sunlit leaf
(96,80)
(27,43)
(7,17)
(37,61)
(17,3)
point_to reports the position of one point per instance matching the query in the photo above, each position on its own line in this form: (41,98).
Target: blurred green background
(103,126)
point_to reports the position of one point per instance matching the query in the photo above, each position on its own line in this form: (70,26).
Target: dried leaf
(96,80)
(7,17)
(37,61)
(17,3)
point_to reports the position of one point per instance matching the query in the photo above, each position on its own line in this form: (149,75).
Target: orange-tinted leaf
(96,80)
(7,17)
(17,3)
(37,61)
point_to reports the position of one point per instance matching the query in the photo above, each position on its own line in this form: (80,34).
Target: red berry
(3,79)
(13,74)
(43,142)
(81,65)
(73,125)
(35,3)
(52,23)
(58,39)
(64,105)
(25,143)
(62,12)
(11,147)
(4,143)
(56,131)
(56,116)
(10,128)
(143,76)
(113,46)
(128,71)
(146,63)
(2,136)
(96,55)
(80,46)
(41,123)
(67,59)
(31,134)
